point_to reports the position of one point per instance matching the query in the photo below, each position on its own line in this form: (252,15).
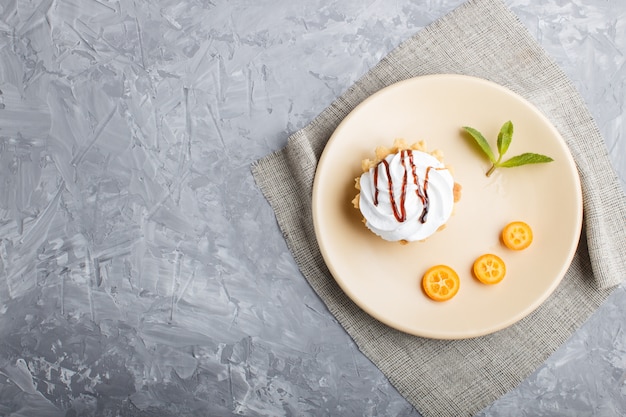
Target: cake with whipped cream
(406,194)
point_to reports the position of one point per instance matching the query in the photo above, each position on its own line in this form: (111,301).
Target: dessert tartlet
(406,194)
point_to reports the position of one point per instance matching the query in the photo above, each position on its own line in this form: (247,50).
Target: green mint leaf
(525,159)
(504,138)
(481,141)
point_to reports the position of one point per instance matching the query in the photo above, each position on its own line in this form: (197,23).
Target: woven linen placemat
(482,38)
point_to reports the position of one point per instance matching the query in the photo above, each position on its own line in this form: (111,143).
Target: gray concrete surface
(141,271)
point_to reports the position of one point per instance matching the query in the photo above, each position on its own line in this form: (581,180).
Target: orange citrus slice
(440,283)
(517,235)
(489,269)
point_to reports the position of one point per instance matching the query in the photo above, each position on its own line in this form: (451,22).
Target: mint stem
(493,168)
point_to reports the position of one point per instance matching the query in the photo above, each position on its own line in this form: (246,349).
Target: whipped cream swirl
(408,196)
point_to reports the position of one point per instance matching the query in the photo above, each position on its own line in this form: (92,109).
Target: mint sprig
(504,141)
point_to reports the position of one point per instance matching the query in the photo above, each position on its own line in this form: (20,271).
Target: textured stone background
(141,271)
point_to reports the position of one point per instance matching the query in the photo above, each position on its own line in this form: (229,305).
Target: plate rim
(464,334)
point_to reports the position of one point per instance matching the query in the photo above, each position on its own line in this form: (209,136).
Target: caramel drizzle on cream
(421,190)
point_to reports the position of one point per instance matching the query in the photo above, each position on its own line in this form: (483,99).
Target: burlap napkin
(460,377)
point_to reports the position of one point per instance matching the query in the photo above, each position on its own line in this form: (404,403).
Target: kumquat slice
(489,269)
(440,283)
(517,235)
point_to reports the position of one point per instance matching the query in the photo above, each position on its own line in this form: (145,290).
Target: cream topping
(407,196)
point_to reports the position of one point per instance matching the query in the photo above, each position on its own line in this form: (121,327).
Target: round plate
(383,278)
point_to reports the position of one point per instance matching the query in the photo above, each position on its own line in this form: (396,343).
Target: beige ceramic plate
(384,278)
